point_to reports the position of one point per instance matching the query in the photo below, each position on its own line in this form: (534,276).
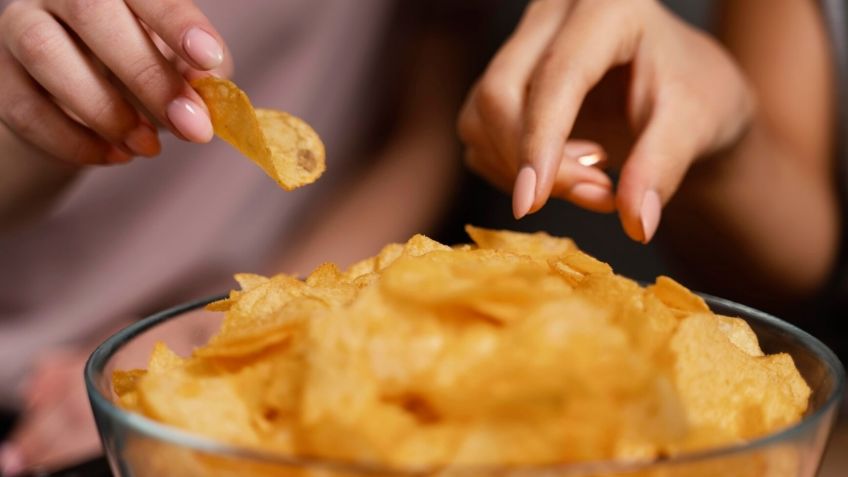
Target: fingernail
(585,153)
(190,120)
(589,160)
(117,156)
(143,141)
(650,214)
(590,192)
(524,193)
(203,48)
(11,460)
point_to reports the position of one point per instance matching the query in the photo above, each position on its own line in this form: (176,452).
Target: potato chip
(677,297)
(520,350)
(538,245)
(740,334)
(728,392)
(285,147)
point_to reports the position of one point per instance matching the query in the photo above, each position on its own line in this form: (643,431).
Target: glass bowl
(137,446)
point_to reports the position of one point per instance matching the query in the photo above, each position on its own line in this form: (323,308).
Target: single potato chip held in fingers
(284,146)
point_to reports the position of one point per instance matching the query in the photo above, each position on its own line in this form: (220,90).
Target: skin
(720,132)
(731,135)
(76,93)
(771,236)
(417,160)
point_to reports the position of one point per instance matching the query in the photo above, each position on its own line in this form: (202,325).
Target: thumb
(654,170)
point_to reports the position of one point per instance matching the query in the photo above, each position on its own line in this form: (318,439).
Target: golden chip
(285,147)
(521,350)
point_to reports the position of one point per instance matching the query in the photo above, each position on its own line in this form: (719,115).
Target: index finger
(595,37)
(184,28)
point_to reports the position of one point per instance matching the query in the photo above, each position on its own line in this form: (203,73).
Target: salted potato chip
(537,245)
(284,146)
(728,391)
(677,297)
(520,350)
(740,334)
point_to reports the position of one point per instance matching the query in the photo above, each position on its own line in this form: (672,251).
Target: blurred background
(394,172)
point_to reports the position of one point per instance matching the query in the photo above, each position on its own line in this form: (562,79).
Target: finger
(471,130)
(655,168)
(33,117)
(584,185)
(477,163)
(111,31)
(189,71)
(184,28)
(586,153)
(500,94)
(595,37)
(56,62)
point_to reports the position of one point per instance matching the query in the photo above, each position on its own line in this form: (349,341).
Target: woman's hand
(684,98)
(80,77)
(56,427)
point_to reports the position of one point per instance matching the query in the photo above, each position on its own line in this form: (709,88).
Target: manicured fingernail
(190,120)
(589,160)
(11,461)
(117,156)
(143,141)
(650,214)
(589,192)
(585,153)
(524,193)
(203,48)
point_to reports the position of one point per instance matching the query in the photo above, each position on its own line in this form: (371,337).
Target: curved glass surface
(138,446)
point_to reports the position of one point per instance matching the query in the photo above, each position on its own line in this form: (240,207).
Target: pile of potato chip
(520,349)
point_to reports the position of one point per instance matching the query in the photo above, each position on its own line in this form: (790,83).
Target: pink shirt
(129,240)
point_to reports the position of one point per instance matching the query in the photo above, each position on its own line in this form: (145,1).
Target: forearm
(29,180)
(756,222)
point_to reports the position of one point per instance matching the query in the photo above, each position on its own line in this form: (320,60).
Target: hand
(80,77)
(56,427)
(684,98)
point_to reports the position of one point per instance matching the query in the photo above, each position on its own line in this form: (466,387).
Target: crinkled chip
(285,147)
(520,350)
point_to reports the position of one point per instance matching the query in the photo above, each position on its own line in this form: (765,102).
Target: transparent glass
(137,446)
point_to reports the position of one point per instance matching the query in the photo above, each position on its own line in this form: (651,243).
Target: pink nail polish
(575,148)
(524,193)
(143,141)
(585,153)
(650,212)
(203,48)
(190,120)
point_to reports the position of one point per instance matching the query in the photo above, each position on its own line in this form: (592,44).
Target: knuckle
(21,113)
(577,79)
(622,15)
(37,43)
(467,127)
(147,75)
(80,12)
(111,119)
(495,99)
(172,14)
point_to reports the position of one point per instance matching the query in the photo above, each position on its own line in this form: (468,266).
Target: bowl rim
(95,365)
